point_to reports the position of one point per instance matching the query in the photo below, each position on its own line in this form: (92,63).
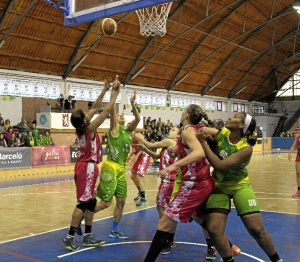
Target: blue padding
(282,142)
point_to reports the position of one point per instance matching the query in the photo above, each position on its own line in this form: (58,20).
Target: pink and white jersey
(88,150)
(135,149)
(197,171)
(165,161)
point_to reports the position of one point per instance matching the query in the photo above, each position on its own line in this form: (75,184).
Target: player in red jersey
(138,171)
(193,186)
(86,168)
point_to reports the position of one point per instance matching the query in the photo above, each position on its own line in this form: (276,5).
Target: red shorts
(141,165)
(164,192)
(190,195)
(86,174)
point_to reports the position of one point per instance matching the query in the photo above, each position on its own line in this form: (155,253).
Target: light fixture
(240,90)
(2,43)
(138,72)
(215,85)
(180,80)
(296,5)
(79,62)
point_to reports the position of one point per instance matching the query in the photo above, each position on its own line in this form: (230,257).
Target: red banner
(50,155)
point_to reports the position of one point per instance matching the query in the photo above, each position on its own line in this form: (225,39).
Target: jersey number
(252,202)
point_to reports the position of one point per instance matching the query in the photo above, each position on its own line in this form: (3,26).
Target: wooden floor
(42,199)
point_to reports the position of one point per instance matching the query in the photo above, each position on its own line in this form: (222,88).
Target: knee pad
(82,206)
(91,204)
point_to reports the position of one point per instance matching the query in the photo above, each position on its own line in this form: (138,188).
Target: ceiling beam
(175,77)
(5,12)
(68,68)
(71,66)
(286,37)
(130,73)
(16,22)
(251,32)
(276,68)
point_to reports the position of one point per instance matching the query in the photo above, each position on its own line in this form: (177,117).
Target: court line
(20,255)
(54,230)
(142,242)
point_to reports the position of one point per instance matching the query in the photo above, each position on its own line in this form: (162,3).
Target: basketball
(109,26)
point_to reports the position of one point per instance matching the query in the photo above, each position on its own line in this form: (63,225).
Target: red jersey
(197,171)
(165,161)
(135,149)
(88,150)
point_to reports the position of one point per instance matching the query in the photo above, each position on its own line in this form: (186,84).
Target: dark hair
(251,138)
(210,123)
(77,120)
(195,113)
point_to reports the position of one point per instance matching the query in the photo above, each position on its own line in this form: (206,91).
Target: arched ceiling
(232,49)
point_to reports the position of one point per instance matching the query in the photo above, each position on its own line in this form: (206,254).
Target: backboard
(81,11)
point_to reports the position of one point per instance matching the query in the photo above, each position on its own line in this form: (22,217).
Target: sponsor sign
(12,157)
(50,155)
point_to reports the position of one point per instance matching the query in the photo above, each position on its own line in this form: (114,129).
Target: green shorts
(243,197)
(112,181)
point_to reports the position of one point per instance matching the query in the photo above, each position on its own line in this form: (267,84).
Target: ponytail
(248,130)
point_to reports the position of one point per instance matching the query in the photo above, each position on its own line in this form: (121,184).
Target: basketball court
(36,212)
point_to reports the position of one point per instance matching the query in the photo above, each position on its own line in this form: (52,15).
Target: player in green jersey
(113,174)
(229,157)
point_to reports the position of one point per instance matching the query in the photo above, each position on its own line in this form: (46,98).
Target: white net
(153,19)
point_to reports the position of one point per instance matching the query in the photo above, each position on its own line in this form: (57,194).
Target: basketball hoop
(153,19)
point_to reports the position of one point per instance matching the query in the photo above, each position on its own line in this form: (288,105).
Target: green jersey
(237,175)
(119,146)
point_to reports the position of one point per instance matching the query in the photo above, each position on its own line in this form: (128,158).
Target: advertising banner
(15,157)
(50,155)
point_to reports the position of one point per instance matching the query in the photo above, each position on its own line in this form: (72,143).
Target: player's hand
(202,135)
(132,98)
(107,83)
(164,173)
(116,85)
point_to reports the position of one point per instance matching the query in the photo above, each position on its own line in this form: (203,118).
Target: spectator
(8,133)
(23,127)
(2,141)
(48,141)
(7,125)
(1,125)
(35,133)
(68,105)
(12,141)
(159,122)
(20,140)
(29,140)
(40,141)
(1,116)
(289,134)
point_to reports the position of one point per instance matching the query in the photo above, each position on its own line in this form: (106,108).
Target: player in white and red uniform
(167,183)
(194,186)
(139,169)
(86,169)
